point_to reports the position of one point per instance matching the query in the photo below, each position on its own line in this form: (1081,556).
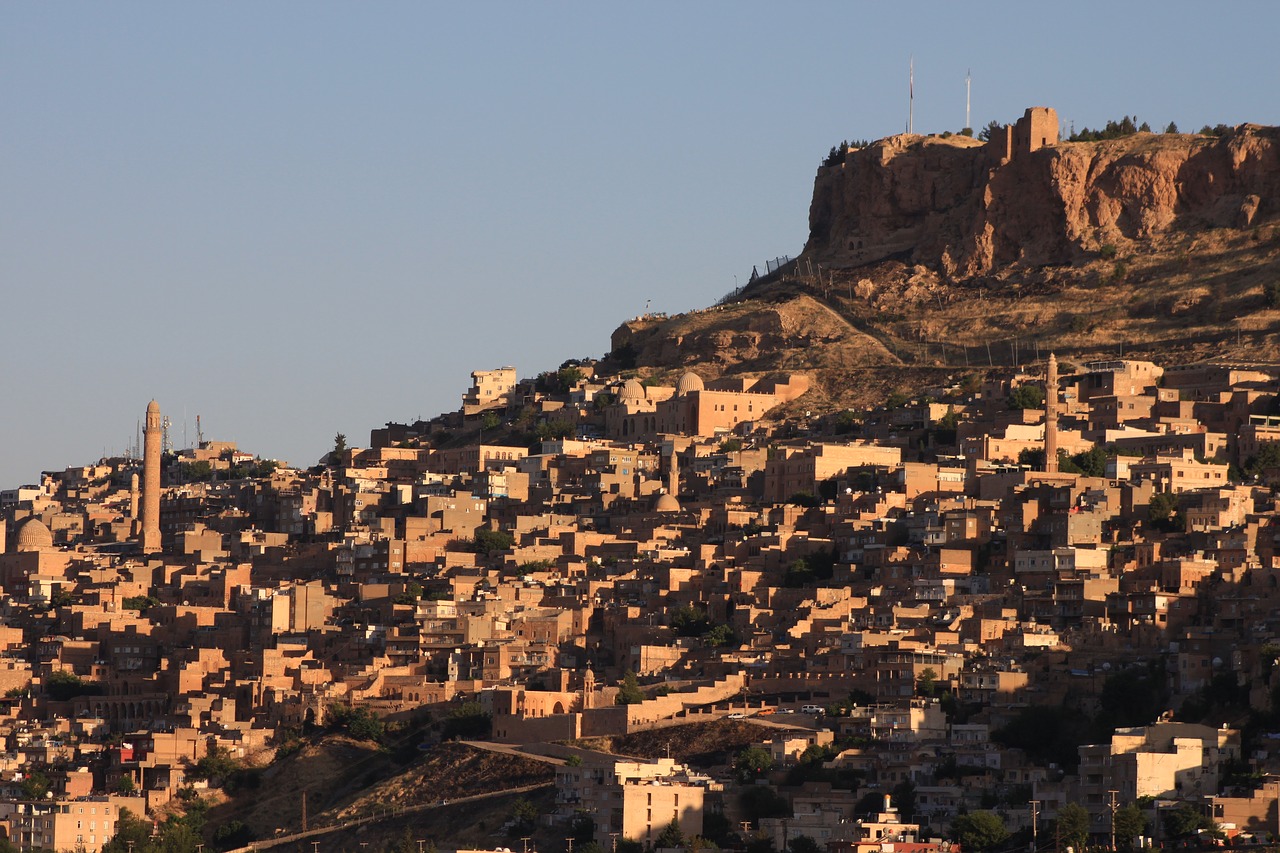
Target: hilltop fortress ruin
(964,207)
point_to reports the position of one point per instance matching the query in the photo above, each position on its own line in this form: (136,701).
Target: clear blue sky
(296,219)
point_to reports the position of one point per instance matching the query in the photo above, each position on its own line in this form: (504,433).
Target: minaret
(133,500)
(1051,417)
(673,475)
(152,438)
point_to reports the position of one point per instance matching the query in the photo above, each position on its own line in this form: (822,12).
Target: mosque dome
(34,535)
(689,383)
(666,502)
(632,390)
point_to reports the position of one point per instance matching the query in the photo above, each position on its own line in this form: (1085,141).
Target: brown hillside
(926,260)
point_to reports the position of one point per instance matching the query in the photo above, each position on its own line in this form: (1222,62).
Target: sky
(298,219)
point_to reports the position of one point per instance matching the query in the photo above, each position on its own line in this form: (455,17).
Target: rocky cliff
(955,207)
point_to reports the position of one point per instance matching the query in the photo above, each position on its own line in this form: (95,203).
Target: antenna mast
(166,446)
(967,85)
(911,96)
(199,433)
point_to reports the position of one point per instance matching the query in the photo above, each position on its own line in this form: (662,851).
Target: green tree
(989,131)
(1162,512)
(803,844)
(1186,821)
(752,763)
(759,801)
(721,635)
(671,836)
(468,720)
(981,830)
(62,685)
(1027,396)
(339,448)
(1171,127)
(1092,462)
(629,845)
(927,683)
(133,835)
(487,540)
(689,621)
(524,816)
(35,785)
(1072,825)
(1131,823)
(629,693)
(1267,457)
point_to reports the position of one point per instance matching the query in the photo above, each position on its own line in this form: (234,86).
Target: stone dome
(666,502)
(632,390)
(689,383)
(34,535)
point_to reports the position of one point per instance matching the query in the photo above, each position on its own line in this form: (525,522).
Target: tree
(1027,396)
(629,693)
(689,621)
(524,816)
(1162,512)
(1185,821)
(992,128)
(721,635)
(1131,823)
(803,844)
(339,447)
(1271,293)
(981,830)
(1092,462)
(752,763)
(1072,825)
(487,540)
(671,836)
(927,683)
(468,720)
(1267,457)
(35,785)
(132,834)
(62,685)
(1171,127)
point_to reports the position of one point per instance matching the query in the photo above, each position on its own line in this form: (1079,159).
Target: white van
(811,709)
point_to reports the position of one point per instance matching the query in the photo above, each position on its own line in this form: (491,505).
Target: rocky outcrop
(951,205)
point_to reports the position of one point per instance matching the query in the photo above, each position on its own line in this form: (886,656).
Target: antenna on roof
(199,433)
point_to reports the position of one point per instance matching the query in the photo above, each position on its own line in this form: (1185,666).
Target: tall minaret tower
(152,439)
(1051,417)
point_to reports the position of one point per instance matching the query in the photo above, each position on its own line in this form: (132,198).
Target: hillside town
(1046,596)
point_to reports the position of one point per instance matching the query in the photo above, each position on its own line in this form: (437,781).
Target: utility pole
(613,838)
(304,809)
(569,841)
(1113,817)
(1035,810)
(525,839)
